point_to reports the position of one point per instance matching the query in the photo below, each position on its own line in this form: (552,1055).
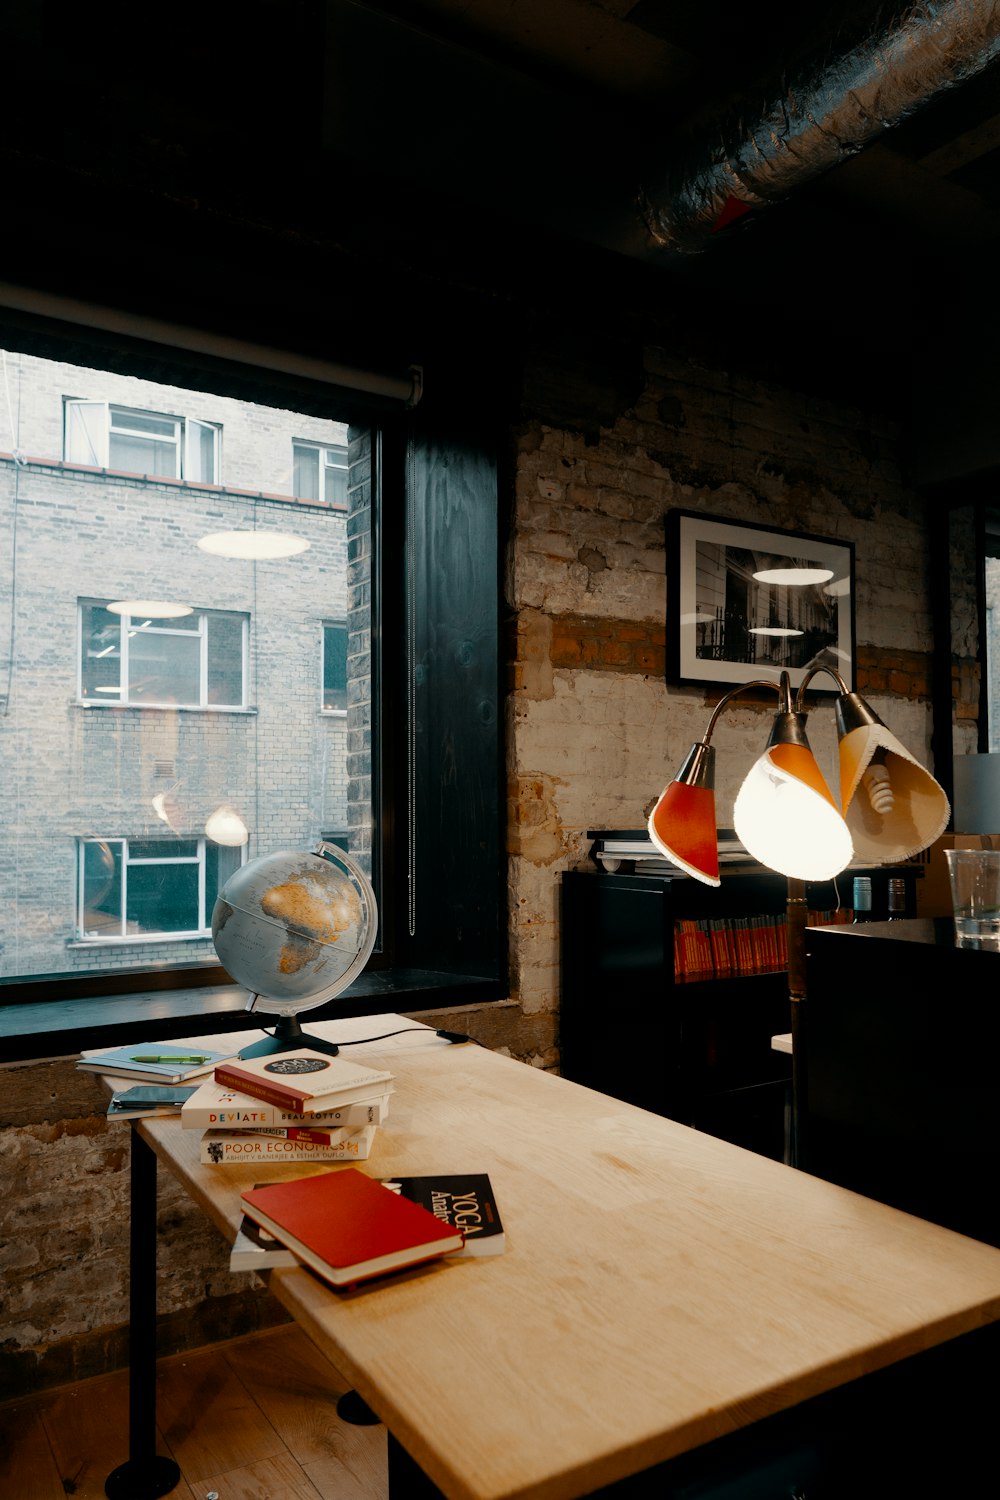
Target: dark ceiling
(533,148)
(565,113)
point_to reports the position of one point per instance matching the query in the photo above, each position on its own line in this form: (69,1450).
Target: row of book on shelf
(306,1106)
(722,947)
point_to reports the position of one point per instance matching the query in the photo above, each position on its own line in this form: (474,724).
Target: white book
(214,1107)
(253,1147)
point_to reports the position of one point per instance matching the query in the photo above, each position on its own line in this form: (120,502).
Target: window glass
(305,476)
(163,667)
(101,888)
(151,750)
(335,476)
(335,667)
(992,628)
(162,897)
(144,444)
(101,657)
(225,658)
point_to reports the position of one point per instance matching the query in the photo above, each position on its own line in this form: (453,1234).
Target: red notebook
(348,1227)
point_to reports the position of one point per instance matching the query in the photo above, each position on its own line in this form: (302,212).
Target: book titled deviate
(464,1201)
(214,1107)
(304,1081)
(347,1227)
(248,1147)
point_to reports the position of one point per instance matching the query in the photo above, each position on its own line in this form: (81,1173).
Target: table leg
(147,1474)
(407,1480)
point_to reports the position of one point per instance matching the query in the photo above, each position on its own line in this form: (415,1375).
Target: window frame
(185,429)
(426,473)
(125,633)
(323,450)
(161,935)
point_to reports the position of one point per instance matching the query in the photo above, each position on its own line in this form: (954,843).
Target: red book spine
(272,1092)
(303,1133)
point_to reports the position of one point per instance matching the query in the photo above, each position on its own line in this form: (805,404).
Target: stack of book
(289,1107)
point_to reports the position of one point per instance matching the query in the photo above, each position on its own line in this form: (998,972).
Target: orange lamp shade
(682,826)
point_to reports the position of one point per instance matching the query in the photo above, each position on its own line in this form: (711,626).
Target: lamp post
(787,819)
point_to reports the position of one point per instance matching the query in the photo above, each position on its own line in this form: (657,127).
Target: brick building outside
(121,734)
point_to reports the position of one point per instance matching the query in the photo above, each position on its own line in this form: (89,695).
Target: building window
(991,629)
(335,668)
(196,661)
(320,472)
(145,888)
(141,442)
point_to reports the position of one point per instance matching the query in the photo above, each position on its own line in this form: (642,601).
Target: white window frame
(332,713)
(186,439)
(124,936)
(327,452)
(127,628)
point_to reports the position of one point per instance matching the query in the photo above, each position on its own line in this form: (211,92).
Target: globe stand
(287,1036)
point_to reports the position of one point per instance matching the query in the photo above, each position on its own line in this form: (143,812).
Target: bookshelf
(695,1048)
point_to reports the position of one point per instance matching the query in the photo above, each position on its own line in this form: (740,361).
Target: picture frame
(725,625)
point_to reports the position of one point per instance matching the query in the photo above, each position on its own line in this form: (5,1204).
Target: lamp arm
(807,679)
(782,688)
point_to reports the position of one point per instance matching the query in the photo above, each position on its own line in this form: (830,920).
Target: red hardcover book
(347,1227)
(305,1081)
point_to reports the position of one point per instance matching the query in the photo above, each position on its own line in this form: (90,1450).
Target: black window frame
(438,796)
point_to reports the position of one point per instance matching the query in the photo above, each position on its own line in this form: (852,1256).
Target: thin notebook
(347,1227)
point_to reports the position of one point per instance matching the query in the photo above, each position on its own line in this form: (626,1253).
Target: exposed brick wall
(595,732)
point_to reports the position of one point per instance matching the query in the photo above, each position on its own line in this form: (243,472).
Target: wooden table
(660,1288)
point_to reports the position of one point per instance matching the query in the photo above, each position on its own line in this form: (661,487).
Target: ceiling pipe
(820,116)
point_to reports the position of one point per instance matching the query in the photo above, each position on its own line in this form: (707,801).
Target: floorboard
(252,1419)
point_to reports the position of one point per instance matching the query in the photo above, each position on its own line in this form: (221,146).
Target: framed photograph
(744,602)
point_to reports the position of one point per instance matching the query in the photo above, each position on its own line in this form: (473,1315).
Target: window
(195,661)
(320,473)
(141,442)
(991,629)
(335,668)
(134,888)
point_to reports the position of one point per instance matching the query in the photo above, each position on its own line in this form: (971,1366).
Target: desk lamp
(786,816)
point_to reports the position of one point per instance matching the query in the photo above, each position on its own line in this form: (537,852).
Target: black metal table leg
(147,1474)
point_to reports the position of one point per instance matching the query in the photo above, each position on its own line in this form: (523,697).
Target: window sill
(98,945)
(164,708)
(32,1031)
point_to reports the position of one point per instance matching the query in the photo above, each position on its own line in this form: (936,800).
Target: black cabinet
(699,1052)
(900,1039)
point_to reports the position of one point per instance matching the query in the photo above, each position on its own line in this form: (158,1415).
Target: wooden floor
(253,1419)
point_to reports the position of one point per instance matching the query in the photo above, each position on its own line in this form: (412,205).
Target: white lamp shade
(914,809)
(786,818)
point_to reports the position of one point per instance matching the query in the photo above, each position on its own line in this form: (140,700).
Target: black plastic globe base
(288,1036)
(143,1480)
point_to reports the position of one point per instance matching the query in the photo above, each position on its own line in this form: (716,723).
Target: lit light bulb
(879,788)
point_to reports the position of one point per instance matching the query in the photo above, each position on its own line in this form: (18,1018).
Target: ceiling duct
(818,118)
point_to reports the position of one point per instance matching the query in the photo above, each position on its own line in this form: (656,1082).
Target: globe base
(288,1036)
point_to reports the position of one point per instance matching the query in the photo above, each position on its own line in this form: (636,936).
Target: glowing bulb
(787,824)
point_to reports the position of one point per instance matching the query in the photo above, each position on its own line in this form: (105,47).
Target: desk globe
(296,927)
